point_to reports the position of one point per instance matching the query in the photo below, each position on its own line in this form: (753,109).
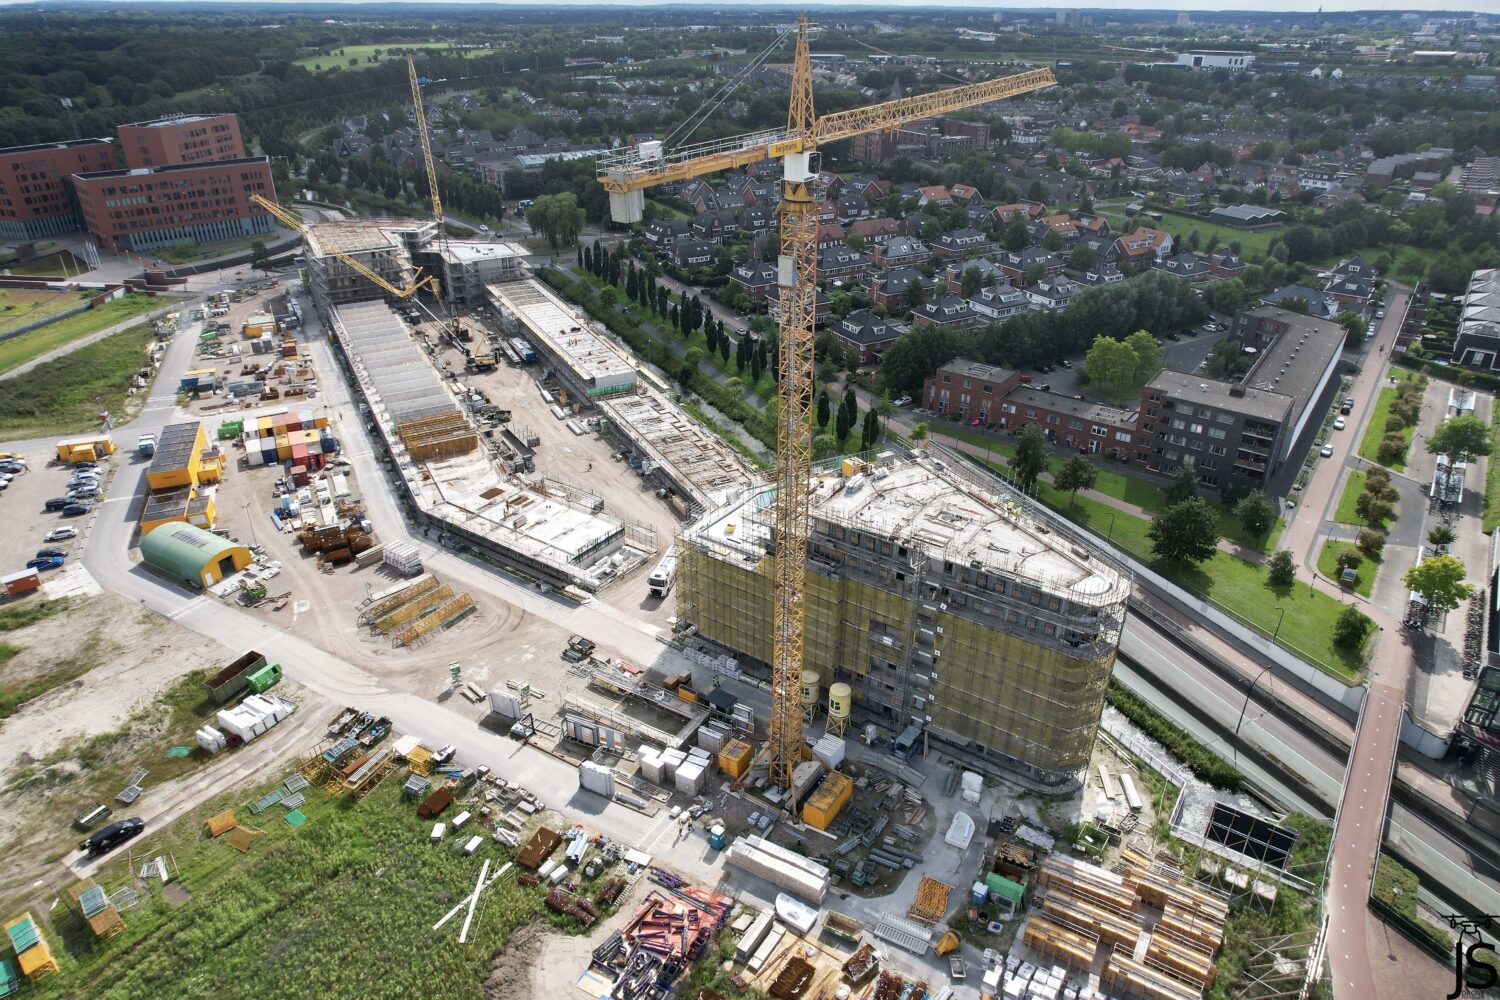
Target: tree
(823,409)
(1017,235)
(919,433)
(1351,627)
(970,282)
(1392,448)
(1281,569)
(1082,258)
(1372,508)
(825,445)
(723,345)
(674,318)
(1148,355)
(1354,328)
(1184,485)
(1031,457)
(1370,542)
(1256,513)
(1077,473)
(1440,581)
(871,432)
(1466,437)
(850,404)
(1111,367)
(260,258)
(1186,532)
(1440,536)
(557,217)
(915,294)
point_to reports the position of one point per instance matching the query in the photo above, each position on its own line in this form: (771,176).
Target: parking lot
(27,521)
(1184,355)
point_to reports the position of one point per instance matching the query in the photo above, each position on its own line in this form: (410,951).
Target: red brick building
(134,210)
(179,139)
(35,198)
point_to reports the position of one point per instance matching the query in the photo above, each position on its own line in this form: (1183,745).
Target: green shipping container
(265,678)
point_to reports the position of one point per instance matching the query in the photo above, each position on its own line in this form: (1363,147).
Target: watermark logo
(1471,968)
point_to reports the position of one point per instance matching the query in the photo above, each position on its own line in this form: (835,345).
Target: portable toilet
(716,837)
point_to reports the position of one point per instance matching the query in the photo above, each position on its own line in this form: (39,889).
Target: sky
(1303,6)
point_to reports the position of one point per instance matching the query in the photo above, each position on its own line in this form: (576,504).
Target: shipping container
(236,677)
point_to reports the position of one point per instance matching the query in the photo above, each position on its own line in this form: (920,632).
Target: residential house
(1061,224)
(756,277)
(691,253)
(1018,264)
(963,194)
(1026,211)
(1101,274)
(1300,298)
(662,233)
(757,219)
(947,311)
(1054,292)
(1225,263)
(968,390)
(1185,265)
(1081,424)
(865,334)
(828,213)
(871,188)
(875,231)
(716,224)
(891,289)
(1000,301)
(839,263)
(830,234)
(1334,197)
(1143,246)
(934,195)
(1106,254)
(989,273)
(899,251)
(852,207)
(960,243)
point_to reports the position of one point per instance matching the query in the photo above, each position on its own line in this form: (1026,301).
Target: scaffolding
(380,608)
(936,600)
(420,604)
(445,615)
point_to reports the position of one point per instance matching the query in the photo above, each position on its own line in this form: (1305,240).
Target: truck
(659,583)
(235,678)
(145,445)
(523,350)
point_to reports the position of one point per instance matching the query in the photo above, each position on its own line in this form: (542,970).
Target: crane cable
(721,95)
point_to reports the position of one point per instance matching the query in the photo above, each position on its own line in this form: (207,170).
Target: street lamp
(250,521)
(1279,618)
(1264,670)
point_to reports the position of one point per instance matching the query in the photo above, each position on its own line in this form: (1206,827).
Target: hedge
(1194,755)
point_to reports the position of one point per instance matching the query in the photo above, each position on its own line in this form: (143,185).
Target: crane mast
(626,174)
(432,186)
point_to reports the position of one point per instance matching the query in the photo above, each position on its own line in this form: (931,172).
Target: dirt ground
(546,963)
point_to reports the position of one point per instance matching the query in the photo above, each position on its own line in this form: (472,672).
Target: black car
(112,836)
(57,503)
(76,509)
(51,553)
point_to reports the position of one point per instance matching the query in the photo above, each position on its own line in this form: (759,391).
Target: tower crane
(627,174)
(294,221)
(432,186)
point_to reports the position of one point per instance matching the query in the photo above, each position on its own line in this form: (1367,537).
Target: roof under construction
(697,460)
(382,348)
(595,364)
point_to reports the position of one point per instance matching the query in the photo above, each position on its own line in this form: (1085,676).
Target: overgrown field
(18,350)
(20,306)
(342,907)
(64,395)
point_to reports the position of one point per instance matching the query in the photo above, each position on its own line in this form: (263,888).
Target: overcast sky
(1305,6)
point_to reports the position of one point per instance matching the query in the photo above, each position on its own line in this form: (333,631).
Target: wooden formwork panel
(413,608)
(382,608)
(445,614)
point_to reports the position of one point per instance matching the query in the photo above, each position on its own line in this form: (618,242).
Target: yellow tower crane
(627,174)
(294,221)
(432,187)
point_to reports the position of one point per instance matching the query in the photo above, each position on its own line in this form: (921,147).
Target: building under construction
(385,246)
(956,609)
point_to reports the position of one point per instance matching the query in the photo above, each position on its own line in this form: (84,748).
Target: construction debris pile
(414,609)
(889,986)
(662,939)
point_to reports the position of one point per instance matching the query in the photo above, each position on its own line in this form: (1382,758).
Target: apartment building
(36,199)
(179,139)
(150,208)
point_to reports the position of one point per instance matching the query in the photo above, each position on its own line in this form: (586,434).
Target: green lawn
(1253,243)
(22,306)
(1328,565)
(64,395)
(1492,479)
(18,350)
(1352,489)
(52,265)
(362,53)
(1236,586)
(1369,445)
(341,907)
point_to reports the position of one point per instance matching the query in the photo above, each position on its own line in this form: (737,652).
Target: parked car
(13,468)
(904,401)
(1338,423)
(112,836)
(56,503)
(61,534)
(51,562)
(1066,363)
(1327,451)
(49,553)
(83,494)
(76,509)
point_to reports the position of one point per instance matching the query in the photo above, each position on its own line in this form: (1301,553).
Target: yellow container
(734,758)
(831,796)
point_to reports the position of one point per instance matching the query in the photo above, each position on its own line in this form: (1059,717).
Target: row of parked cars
(11,466)
(83,490)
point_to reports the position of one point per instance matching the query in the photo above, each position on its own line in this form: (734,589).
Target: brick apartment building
(145,209)
(179,139)
(35,197)
(930,139)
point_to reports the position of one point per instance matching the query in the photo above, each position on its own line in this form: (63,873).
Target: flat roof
(174,446)
(695,458)
(1102,413)
(350,237)
(471,252)
(923,503)
(594,360)
(37,147)
(183,119)
(173,168)
(1295,361)
(1258,403)
(977,369)
(398,371)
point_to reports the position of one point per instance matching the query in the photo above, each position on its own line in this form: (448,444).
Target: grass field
(18,350)
(342,907)
(64,395)
(53,265)
(1369,445)
(20,306)
(1352,489)
(1328,565)
(341,56)
(1254,243)
(1235,585)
